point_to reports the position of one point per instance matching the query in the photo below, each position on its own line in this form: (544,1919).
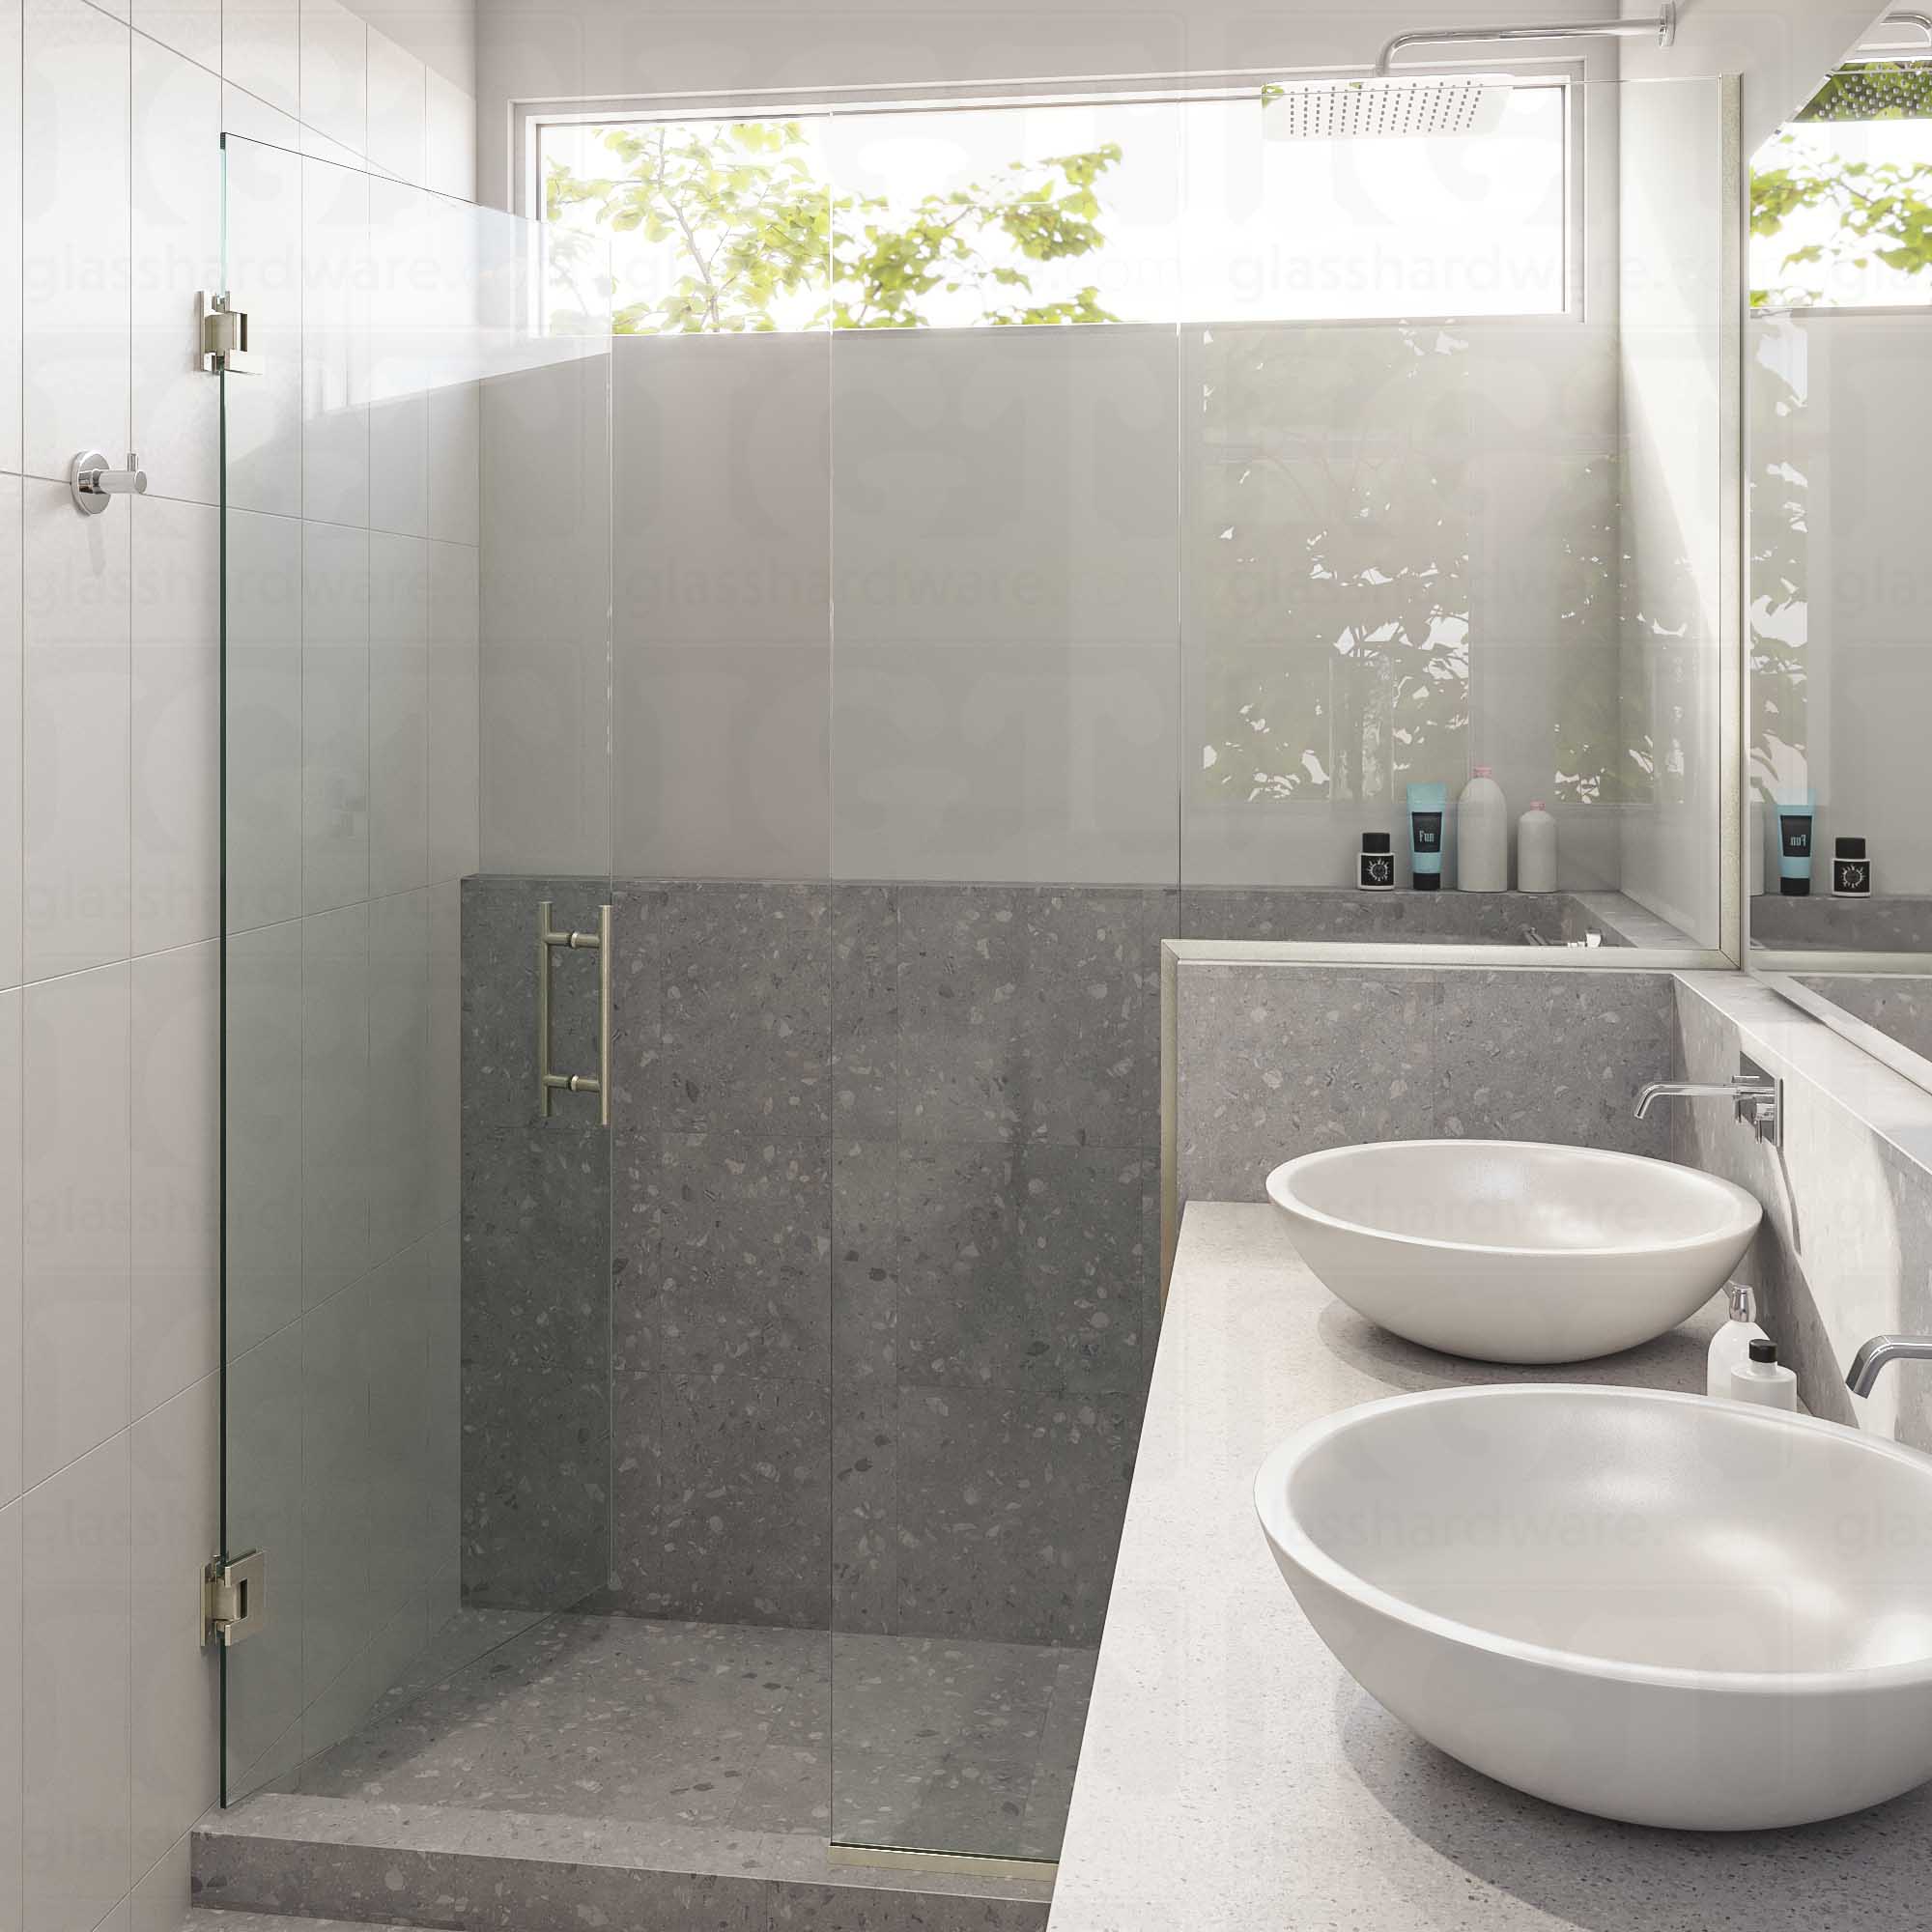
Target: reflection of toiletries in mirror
(1482,835)
(1536,850)
(1375,865)
(1757,840)
(1851,869)
(1427,807)
(1794,850)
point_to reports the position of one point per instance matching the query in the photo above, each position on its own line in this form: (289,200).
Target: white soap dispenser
(1765,1381)
(1536,850)
(1730,1346)
(1482,835)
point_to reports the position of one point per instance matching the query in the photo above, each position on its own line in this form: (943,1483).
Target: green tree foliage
(1880,208)
(748,223)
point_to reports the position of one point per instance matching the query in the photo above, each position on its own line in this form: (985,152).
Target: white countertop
(1235,1777)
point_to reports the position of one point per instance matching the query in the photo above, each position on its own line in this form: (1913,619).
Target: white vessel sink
(1513,1251)
(1652,1607)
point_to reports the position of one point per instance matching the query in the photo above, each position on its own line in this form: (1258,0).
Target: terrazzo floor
(923,1743)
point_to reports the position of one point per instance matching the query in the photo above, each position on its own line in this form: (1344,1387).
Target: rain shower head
(1340,110)
(1424,105)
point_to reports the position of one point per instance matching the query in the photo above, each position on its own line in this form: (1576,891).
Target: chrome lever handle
(94,485)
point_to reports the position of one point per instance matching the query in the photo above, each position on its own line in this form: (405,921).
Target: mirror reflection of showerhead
(1389,104)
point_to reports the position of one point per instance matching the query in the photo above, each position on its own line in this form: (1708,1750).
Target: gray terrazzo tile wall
(884,1166)
(1276,1059)
(882,1207)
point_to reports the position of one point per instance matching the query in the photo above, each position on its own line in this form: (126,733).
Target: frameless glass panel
(1003,830)
(415,1256)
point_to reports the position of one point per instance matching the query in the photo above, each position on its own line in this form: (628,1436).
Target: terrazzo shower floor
(940,1743)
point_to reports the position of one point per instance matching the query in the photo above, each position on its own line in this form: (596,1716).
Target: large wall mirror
(1838,412)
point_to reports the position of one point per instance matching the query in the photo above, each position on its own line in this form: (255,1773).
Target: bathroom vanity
(1235,1777)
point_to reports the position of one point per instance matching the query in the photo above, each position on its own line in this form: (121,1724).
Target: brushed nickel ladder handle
(548,1082)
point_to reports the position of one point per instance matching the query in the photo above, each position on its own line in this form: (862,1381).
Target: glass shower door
(416,747)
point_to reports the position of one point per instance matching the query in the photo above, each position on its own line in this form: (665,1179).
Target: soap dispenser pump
(1730,1346)
(1765,1381)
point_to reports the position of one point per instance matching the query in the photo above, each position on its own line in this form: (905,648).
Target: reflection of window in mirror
(1839,403)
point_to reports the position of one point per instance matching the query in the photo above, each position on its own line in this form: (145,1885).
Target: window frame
(528,118)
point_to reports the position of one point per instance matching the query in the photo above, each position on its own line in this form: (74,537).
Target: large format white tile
(452,139)
(79,1692)
(13,1387)
(335,319)
(399,660)
(262,411)
(261,49)
(263,1450)
(78,694)
(164,1894)
(176,1129)
(398,1144)
(75,236)
(545,734)
(177,245)
(398,103)
(339,1614)
(75,1257)
(263,830)
(445,1052)
(336,74)
(176,724)
(13,1587)
(335,1100)
(190,27)
(1005,542)
(723,620)
(177,1520)
(12,749)
(335,715)
(455,670)
(261,1037)
(11,264)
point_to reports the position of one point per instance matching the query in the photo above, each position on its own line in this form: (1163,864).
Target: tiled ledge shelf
(510,1872)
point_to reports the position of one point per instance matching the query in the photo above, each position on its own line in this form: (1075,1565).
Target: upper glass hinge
(233,1605)
(224,337)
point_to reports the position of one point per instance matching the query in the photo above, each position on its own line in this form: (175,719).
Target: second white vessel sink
(1513,1251)
(1652,1607)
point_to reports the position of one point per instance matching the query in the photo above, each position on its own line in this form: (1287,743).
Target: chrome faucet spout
(1880,1353)
(1755,1098)
(1680,1090)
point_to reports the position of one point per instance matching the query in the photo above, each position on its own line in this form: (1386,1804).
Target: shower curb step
(386,1865)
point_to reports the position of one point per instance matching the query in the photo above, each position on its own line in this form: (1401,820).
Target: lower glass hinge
(233,1605)
(224,338)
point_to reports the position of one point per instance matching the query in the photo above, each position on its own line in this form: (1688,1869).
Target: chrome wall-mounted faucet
(1882,1350)
(1756,1098)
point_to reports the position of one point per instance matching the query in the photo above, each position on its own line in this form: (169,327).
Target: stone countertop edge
(1235,1777)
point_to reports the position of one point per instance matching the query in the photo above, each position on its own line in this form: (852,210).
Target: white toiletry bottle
(1730,1346)
(1765,1381)
(1482,835)
(1536,850)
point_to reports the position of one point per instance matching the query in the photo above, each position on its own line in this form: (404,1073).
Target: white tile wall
(109,912)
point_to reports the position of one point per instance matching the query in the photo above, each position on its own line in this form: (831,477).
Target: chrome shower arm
(1906,17)
(1663,26)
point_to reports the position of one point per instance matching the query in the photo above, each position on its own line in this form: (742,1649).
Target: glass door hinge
(224,337)
(233,1604)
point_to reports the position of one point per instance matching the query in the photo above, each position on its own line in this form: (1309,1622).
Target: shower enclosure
(703,808)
